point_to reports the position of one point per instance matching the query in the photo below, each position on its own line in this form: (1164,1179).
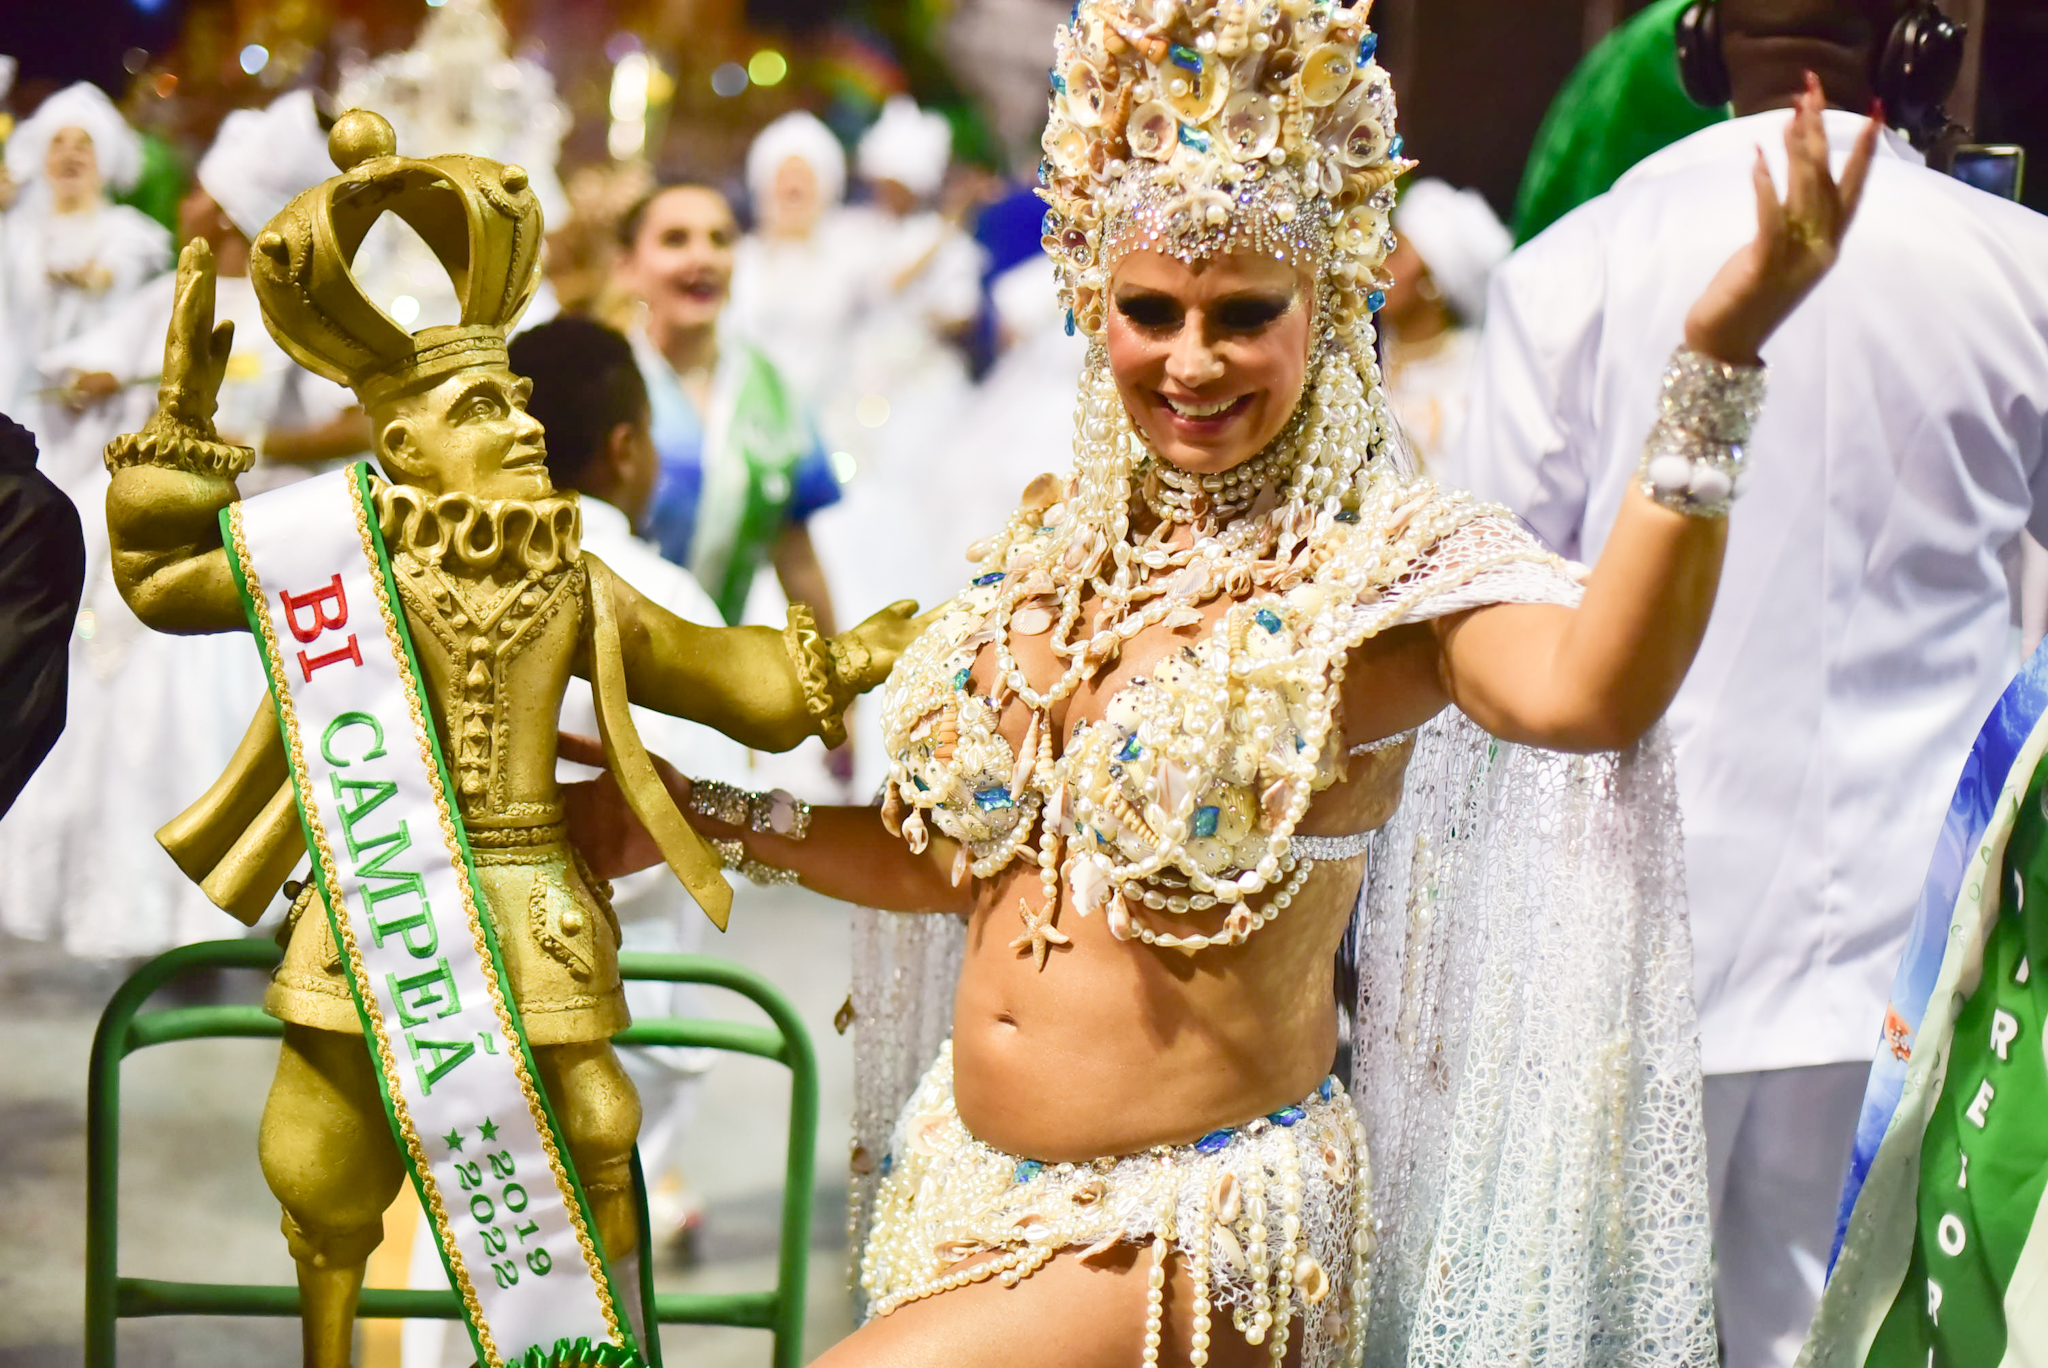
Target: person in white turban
(904,384)
(1450,243)
(71,256)
(796,279)
(78,858)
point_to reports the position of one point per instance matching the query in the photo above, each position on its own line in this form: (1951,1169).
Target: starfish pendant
(1040,935)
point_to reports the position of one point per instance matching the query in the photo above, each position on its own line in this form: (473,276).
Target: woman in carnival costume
(1141,753)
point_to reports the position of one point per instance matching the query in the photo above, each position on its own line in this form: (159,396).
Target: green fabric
(581,1354)
(162,185)
(1984,1162)
(1621,103)
(772,434)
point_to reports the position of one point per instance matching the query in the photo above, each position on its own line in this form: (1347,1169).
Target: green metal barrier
(125,1028)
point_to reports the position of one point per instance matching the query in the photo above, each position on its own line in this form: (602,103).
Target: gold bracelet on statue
(775,813)
(180,451)
(811,654)
(732,855)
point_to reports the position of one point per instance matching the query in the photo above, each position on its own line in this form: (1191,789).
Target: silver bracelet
(732,854)
(1693,460)
(775,813)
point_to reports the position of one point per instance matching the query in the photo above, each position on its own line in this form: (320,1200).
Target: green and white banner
(392,862)
(1943,1257)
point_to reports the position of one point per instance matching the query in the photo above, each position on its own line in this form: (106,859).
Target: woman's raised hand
(1796,241)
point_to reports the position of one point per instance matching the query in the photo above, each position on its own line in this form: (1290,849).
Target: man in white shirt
(1863,625)
(588,394)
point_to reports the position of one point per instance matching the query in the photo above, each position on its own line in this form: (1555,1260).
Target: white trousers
(1777,1149)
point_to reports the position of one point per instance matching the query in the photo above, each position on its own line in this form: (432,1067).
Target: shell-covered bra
(1186,792)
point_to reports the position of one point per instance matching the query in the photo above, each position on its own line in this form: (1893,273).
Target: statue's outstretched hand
(1797,239)
(195,349)
(863,657)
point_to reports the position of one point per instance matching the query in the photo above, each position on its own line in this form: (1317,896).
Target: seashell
(1363,142)
(863,1161)
(1360,229)
(1238,925)
(978,551)
(953,1251)
(1274,802)
(1183,617)
(960,866)
(1225,1198)
(1173,785)
(1102,1246)
(1033,1227)
(1325,73)
(1153,132)
(1379,177)
(1233,1252)
(1067,148)
(926,1133)
(1042,493)
(1310,1280)
(1330,176)
(914,834)
(1119,919)
(1056,807)
(1088,96)
(1122,709)
(1197,96)
(1308,599)
(1027,755)
(1192,582)
(1251,126)
(892,811)
(1336,1163)
(1088,1193)
(1336,1327)
(1089,884)
(1032,621)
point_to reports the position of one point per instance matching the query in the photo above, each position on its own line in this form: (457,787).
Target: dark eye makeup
(1237,314)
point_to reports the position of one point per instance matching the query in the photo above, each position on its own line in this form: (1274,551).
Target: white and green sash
(392,862)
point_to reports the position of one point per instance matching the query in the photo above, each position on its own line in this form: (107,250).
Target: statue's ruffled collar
(462,532)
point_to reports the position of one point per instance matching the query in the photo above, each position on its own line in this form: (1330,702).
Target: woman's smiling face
(1210,358)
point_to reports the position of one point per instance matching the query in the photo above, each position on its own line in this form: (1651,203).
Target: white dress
(905,385)
(149,714)
(44,311)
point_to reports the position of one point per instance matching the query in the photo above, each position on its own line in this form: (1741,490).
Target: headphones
(1918,67)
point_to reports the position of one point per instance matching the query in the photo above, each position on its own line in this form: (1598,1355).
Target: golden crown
(478,217)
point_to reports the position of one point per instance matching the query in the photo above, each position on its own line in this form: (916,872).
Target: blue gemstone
(1130,750)
(1194,138)
(1186,58)
(888,1162)
(1048,223)
(962,677)
(1059,82)
(1299,744)
(922,786)
(1376,301)
(1394,147)
(1205,820)
(1214,1140)
(992,577)
(1328,1090)
(1027,1169)
(1367,46)
(1267,619)
(1347,515)
(990,799)
(1070,322)
(1286,1116)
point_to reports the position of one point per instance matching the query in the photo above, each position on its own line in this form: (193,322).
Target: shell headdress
(1202,126)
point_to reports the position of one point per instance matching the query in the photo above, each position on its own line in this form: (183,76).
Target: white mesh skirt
(1271,1218)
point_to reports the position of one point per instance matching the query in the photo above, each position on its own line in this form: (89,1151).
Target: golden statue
(501,609)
